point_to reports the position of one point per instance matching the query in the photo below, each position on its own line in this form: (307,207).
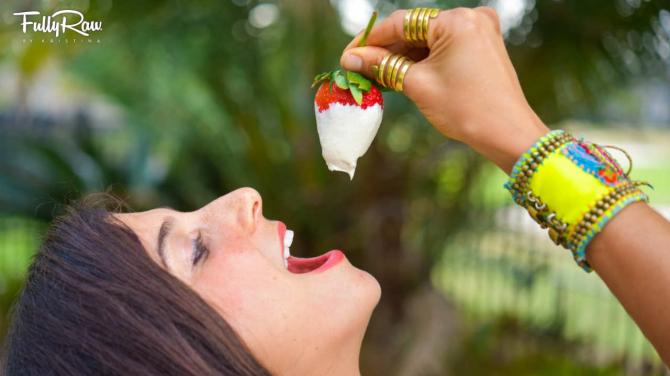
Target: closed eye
(200,250)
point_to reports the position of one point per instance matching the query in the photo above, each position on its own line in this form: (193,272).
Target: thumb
(361,59)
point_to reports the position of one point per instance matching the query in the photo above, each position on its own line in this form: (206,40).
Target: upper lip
(281,228)
(285,240)
(282,235)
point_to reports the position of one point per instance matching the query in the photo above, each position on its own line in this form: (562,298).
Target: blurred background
(177,102)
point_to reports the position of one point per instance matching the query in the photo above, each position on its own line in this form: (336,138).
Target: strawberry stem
(364,39)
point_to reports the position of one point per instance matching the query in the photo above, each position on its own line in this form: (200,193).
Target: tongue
(300,265)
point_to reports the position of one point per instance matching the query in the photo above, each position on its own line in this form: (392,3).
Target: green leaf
(341,82)
(357,94)
(363,83)
(320,77)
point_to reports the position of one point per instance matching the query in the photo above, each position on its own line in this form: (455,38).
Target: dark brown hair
(95,303)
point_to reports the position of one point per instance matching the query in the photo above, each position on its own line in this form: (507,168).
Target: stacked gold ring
(416,22)
(392,70)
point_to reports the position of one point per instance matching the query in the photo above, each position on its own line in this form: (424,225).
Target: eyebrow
(163,232)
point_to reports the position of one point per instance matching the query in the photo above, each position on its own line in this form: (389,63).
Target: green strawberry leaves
(356,83)
(357,94)
(352,81)
(320,77)
(341,81)
(358,80)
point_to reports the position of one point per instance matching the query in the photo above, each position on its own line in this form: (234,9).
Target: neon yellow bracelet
(573,188)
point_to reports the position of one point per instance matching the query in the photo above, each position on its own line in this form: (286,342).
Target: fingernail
(352,62)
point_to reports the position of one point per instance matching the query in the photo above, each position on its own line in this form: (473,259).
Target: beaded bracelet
(573,188)
(524,168)
(594,221)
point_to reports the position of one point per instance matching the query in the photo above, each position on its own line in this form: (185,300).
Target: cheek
(243,287)
(256,300)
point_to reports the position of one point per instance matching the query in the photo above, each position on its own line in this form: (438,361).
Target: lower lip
(327,260)
(334,257)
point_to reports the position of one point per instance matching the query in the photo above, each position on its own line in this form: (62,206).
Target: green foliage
(506,347)
(18,240)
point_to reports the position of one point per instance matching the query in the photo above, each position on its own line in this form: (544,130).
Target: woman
(207,292)
(147,293)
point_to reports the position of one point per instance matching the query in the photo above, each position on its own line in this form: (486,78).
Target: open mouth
(299,265)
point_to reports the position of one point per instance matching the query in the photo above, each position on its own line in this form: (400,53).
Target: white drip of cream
(345,133)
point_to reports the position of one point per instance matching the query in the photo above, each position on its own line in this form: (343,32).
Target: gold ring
(405,25)
(388,73)
(420,17)
(416,22)
(413,32)
(380,70)
(392,70)
(396,69)
(401,75)
(383,67)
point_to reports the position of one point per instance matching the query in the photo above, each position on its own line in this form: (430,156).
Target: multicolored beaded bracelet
(604,210)
(523,169)
(573,188)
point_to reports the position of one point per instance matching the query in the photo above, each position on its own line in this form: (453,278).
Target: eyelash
(200,250)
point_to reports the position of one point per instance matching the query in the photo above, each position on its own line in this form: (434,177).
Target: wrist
(505,139)
(573,188)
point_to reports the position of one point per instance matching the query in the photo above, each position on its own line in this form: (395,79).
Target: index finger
(385,33)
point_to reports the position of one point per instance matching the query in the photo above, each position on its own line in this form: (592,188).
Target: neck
(343,364)
(343,360)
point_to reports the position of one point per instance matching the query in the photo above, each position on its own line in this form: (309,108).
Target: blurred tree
(570,55)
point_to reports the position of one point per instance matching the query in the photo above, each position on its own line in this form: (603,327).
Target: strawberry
(348,109)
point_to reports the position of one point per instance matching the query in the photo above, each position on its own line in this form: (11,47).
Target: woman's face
(294,317)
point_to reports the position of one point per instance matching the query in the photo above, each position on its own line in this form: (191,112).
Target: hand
(463,80)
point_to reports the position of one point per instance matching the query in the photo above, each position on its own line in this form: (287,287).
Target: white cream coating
(345,133)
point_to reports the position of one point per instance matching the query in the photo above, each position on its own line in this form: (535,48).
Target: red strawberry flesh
(325,97)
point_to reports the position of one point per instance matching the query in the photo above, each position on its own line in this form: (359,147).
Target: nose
(249,206)
(240,209)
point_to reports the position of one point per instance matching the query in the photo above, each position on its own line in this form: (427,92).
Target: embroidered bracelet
(573,188)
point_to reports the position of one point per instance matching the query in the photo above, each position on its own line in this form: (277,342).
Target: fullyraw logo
(58,22)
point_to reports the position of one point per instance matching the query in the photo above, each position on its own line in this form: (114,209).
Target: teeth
(288,240)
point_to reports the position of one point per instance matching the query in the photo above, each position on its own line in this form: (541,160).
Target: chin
(363,287)
(349,295)
(362,296)
(371,289)
(364,293)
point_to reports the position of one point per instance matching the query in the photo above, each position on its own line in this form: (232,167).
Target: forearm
(468,89)
(632,256)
